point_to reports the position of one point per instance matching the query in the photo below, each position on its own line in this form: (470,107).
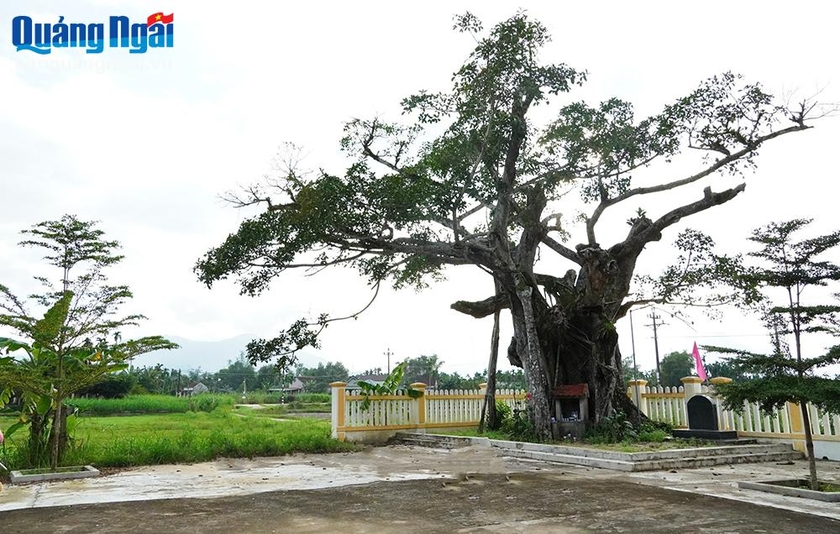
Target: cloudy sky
(145,143)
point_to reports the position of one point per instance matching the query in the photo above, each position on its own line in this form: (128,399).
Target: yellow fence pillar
(338,390)
(420,404)
(637,389)
(692,385)
(797,425)
(723,422)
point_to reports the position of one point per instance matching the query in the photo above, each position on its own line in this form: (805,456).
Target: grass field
(120,441)
(149,404)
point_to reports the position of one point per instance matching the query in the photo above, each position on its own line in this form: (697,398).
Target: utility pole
(654,318)
(388,353)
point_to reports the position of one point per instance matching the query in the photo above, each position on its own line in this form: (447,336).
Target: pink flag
(698,363)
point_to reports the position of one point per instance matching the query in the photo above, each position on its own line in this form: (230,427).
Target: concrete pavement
(232,478)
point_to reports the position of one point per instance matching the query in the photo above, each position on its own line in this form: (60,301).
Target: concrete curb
(615,460)
(65,473)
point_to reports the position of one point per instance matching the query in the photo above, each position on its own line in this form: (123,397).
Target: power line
(654,318)
(722,335)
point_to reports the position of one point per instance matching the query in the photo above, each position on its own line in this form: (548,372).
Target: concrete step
(607,459)
(697,452)
(705,461)
(685,462)
(435,441)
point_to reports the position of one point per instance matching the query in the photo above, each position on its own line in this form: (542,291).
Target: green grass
(255,397)
(283,410)
(195,437)
(273,412)
(147,404)
(312,397)
(122,441)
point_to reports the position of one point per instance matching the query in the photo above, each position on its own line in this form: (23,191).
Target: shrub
(207,402)
(520,426)
(654,436)
(613,429)
(503,413)
(114,386)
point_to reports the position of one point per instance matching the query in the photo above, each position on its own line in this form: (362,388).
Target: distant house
(378,379)
(195,389)
(297,386)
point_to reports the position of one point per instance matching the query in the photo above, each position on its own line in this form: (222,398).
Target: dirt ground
(523,502)
(464,491)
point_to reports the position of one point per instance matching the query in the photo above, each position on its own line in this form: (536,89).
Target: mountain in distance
(210,356)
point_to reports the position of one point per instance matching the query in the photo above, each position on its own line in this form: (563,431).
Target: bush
(207,402)
(618,428)
(653,436)
(114,386)
(503,413)
(613,429)
(520,426)
(313,397)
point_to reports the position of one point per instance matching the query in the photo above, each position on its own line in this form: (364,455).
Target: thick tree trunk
(535,365)
(570,338)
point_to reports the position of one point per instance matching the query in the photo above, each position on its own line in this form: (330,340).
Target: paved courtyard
(394,489)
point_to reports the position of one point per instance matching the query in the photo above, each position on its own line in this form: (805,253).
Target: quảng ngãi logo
(138,37)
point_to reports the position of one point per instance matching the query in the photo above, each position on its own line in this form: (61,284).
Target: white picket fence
(441,409)
(387,414)
(669,405)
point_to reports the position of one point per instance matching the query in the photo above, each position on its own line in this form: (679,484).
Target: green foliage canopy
(674,366)
(470,180)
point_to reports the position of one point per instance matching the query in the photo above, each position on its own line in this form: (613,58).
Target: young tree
(114,386)
(424,369)
(476,180)
(157,379)
(237,374)
(726,369)
(789,267)
(319,378)
(79,340)
(674,366)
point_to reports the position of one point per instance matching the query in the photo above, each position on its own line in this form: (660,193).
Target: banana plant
(48,373)
(389,386)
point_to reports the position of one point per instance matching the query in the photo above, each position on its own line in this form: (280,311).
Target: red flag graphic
(698,363)
(160,17)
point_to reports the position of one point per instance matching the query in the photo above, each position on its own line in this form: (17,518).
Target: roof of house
(353,382)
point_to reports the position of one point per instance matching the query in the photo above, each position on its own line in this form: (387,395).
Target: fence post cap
(337,384)
(483,385)
(639,382)
(720,380)
(418,385)
(691,380)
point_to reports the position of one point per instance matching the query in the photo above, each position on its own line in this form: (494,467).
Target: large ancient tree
(475,180)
